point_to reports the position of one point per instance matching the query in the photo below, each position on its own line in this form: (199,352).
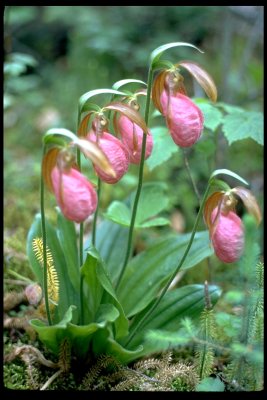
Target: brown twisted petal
(157,89)
(212,202)
(129,112)
(202,77)
(249,201)
(83,128)
(48,163)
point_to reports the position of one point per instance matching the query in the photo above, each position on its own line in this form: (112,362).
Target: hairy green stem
(96,212)
(158,300)
(187,166)
(44,247)
(80,246)
(140,180)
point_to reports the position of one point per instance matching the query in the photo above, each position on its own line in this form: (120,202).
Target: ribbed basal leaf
(67,293)
(187,301)
(124,82)
(101,277)
(68,240)
(156,54)
(111,238)
(148,271)
(93,290)
(80,337)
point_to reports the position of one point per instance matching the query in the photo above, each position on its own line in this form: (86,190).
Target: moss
(15,377)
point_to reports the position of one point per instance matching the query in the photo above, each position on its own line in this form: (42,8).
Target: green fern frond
(52,277)
(65,355)
(260,274)
(204,352)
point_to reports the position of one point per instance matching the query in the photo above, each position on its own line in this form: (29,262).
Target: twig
(51,379)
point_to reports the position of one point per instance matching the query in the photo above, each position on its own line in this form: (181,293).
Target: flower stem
(96,212)
(44,247)
(140,180)
(158,300)
(80,250)
(187,166)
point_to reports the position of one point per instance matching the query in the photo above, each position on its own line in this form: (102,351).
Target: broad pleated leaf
(187,301)
(147,272)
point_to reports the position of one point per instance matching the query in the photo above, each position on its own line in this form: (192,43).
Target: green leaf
(111,238)
(67,294)
(212,116)
(229,108)
(123,82)
(243,125)
(48,137)
(80,337)
(119,213)
(210,385)
(163,147)
(86,96)
(187,301)
(147,272)
(155,222)
(104,343)
(156,54)
(229,173)
(93,291)
(68,240)
(152,201)
(110,296)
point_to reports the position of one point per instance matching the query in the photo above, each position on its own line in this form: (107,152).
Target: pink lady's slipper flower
(132,137)
(184,119)
(116,154)
(228,236)
(225,227)
(75,195)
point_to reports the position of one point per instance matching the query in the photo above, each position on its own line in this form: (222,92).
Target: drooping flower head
(115,151)
(132,137)
(183,117)
(225,226)
(74,193)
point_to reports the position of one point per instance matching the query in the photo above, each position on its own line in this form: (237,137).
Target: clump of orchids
(86,304)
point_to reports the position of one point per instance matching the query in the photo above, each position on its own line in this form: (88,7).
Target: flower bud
(132,137)
(33,292)
(116,153)
(75,195)
(228,235)
(184,118)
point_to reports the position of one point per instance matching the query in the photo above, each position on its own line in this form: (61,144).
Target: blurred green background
(54,54)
